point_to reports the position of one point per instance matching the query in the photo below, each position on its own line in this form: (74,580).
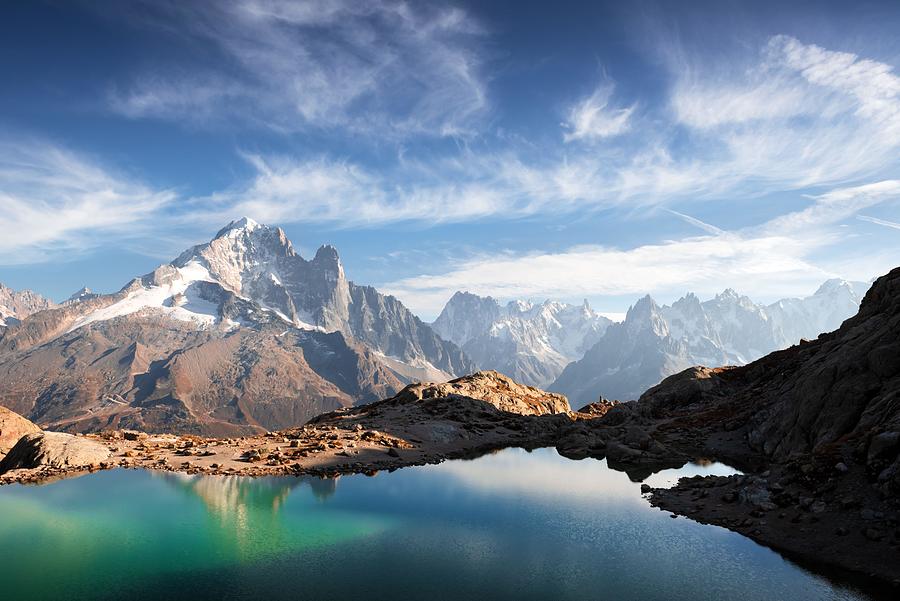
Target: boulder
(13,427)
(54,450)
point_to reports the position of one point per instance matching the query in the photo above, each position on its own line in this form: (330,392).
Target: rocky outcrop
(492,387)
(13,427)
(54,451)
(817,424)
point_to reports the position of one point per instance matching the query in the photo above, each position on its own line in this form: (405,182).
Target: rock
(492,387)
(576,443)
(133,435)
(13,427)
(645,488)
(884,446)
(55,450)
(873,534)
(841,467)
(393,452)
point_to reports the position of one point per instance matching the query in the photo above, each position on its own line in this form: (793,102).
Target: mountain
(17,305)
(657,341)
(528,342)
(237,335)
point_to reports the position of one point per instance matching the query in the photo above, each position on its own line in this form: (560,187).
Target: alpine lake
(509,525)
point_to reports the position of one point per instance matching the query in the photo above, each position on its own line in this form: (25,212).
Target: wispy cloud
(54,201)
(395,67)
(593,118)
(891,224)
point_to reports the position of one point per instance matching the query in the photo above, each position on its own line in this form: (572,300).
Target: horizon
(596,153)
(616,316)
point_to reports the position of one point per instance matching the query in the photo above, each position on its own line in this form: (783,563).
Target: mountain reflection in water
(510,525)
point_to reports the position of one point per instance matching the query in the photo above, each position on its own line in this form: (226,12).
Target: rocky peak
(466,316)
(645,315)
(494,388)
(20,304)
(81,294)
(836,287)
(328,261)
(238,227)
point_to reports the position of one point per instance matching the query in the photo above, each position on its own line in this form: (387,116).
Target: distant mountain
(531,343)
(240,334)
(657,341)
(17,305)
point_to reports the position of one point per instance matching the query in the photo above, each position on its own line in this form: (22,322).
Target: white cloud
(53,200)
(873,84)
(394,67)
(593,118)
(774,257)
(799,116)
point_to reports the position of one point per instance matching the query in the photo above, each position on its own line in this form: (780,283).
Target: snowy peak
(80,295)
(249,275)
(17,305)
(727,329)
(529,342)
(238,227)
(645,315)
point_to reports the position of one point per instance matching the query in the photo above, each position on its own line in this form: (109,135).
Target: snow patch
(178,299)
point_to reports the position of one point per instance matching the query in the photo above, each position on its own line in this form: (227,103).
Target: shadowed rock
(54,450)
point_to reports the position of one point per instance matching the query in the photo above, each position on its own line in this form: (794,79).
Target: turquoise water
(513,525)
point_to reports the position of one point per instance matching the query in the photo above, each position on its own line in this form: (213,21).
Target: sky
(597,150)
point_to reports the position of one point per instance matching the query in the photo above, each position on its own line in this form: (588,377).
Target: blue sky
(522,150)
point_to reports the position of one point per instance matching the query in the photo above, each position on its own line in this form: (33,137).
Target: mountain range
(531,343)
(574,350)
(242,334)
(237,335)
(657,341)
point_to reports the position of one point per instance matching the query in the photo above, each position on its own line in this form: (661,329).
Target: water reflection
(548,477)
(510,525)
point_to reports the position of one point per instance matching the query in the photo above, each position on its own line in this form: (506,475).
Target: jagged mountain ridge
(657,341)
(239,334)
(531,343)
(17,305)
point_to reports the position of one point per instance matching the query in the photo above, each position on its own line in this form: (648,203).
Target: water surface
(513,525)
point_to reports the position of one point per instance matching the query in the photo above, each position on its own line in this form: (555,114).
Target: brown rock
(13,427)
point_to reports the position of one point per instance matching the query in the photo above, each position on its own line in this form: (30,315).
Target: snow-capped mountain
(531,343)
(237,334)
(17,305)
(657,341)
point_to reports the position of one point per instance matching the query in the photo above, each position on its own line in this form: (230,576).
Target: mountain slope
(530,343)
(730,329)
(240,334)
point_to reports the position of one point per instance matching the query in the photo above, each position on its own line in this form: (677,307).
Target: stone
(13,427)
(884,445)
(54,450)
